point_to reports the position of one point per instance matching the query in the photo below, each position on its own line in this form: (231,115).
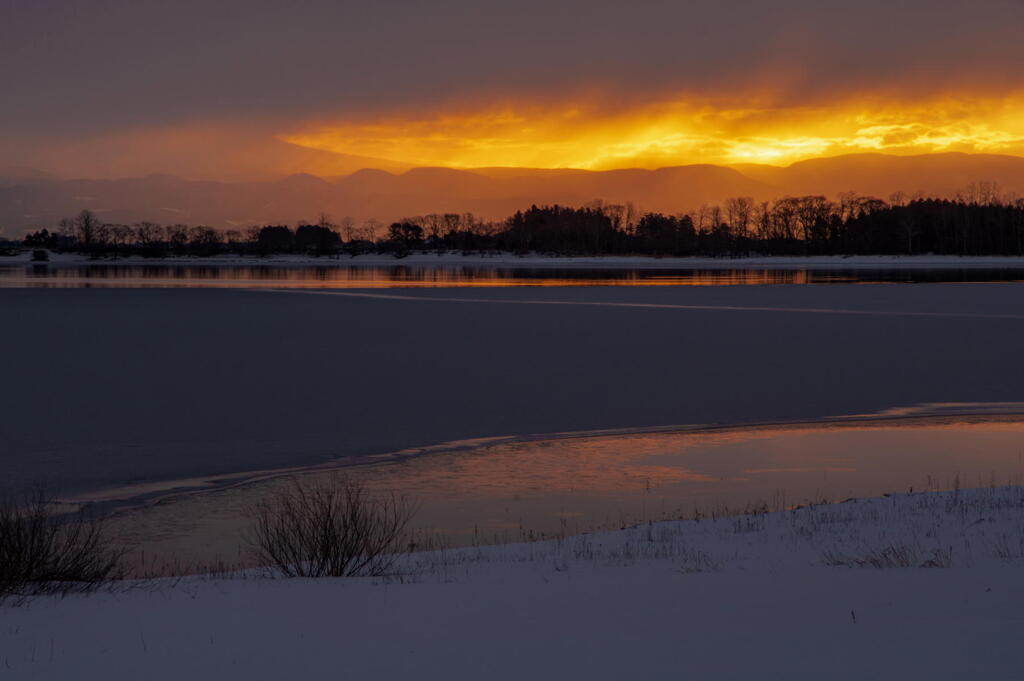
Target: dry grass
(892,556)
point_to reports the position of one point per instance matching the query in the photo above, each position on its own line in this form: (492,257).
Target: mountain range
(31,199)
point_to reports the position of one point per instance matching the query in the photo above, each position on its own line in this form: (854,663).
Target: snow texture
(924,586)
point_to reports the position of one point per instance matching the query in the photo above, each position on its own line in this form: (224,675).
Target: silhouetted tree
(403,236)
(275,239)
(317,239)
(41,239)
(89,231)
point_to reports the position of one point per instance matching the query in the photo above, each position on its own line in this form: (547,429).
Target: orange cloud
(594,135)
(218,151)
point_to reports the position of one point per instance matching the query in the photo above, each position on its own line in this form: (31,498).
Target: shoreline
(424,259)
(125,499)
(507,490)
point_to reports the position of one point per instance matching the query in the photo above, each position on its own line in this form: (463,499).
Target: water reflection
(394,276)
(512,490)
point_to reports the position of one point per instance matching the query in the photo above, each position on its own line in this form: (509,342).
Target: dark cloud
(79,69)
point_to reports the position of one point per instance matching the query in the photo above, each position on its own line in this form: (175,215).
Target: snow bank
(756,596)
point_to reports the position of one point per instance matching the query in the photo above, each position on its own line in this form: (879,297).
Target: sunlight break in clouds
(596,136)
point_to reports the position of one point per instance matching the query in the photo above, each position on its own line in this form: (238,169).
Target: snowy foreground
(926,586)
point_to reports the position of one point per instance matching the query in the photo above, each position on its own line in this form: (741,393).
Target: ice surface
(107,387)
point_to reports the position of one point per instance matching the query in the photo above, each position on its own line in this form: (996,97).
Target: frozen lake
(109,387)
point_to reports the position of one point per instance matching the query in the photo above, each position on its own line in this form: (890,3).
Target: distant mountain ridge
(31,199)
(882,174)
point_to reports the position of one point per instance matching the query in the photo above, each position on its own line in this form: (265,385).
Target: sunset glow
(673,132)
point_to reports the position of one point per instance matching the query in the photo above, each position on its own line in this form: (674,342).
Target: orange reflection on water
(342,276)
(369,277)
(885,455)
(520,489)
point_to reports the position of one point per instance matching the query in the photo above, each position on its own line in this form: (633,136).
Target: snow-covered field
(926,586)
(104,388)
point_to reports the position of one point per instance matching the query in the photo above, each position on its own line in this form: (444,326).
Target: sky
(243,89)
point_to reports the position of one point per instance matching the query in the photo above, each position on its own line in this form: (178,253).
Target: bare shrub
(43,552)
(332,528)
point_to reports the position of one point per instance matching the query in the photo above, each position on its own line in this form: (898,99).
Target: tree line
(978,223)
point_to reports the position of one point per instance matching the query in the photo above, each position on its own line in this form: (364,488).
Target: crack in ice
(662,306)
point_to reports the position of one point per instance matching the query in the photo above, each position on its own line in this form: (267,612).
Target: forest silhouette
(978,222)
